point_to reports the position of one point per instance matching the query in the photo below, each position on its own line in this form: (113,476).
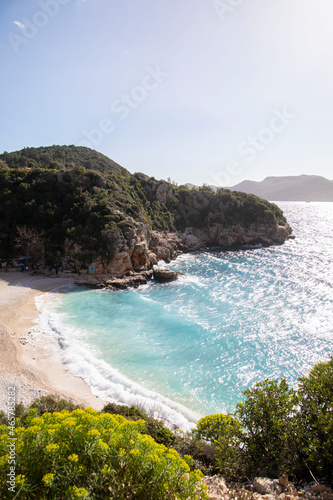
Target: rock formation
(263,488)
(164,275)
(93,216)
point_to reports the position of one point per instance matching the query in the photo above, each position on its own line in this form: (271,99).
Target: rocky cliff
(104,220)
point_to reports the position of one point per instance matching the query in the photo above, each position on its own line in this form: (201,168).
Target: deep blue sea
(191,347)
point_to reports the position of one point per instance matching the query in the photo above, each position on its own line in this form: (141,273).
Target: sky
(199,91)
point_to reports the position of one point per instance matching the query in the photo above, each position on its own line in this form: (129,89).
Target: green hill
(80,206)
(61,157)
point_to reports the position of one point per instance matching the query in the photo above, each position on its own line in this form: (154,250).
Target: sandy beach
(29,360)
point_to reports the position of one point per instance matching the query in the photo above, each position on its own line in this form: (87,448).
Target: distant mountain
(289,188)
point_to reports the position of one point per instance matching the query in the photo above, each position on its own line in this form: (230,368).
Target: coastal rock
(218,235)
(165,245)
(320,488)
(134,247)
(283,481)
(262,488)
(162,191)
(152,259)
(139,252)
(132,281)
(266,486)
(87,280)
(145,248)
(191,243)
(164,275)
(139,257)
(217,487)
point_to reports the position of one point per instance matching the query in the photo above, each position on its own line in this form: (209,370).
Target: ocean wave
(106,382)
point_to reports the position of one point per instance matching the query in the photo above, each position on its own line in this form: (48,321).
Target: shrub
(3,418)
(159,432)
(84,454)
(225,433)
(202,453)
(315,419)
(129,412)
(51,403)
(267,415)
(155,428)
(212,427)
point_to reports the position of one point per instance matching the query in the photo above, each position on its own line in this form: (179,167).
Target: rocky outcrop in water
(218,235)
(164,275)
(145,248)
(139,252)
(135,256)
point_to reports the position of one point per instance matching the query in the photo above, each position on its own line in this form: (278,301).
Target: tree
(225,433)
(29,242)
(267,415)
(315,419)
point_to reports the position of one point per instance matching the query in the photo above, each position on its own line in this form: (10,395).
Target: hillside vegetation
(63,451)
(75,197)
(61,157)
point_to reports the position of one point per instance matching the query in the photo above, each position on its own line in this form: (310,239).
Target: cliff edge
(75,207)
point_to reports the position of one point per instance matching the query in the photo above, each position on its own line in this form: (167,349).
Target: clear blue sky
(212,91)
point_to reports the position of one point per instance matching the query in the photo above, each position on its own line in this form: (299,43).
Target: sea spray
(105,382)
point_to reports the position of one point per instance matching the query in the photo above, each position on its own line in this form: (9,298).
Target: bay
(191,347)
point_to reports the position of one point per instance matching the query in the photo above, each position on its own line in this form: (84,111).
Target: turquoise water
(188,348)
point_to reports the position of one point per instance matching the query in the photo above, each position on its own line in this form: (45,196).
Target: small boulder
(320,488)
(266,486)
(217,487)
(164,275)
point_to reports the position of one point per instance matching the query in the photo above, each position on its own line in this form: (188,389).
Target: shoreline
(31,361)
(27,361)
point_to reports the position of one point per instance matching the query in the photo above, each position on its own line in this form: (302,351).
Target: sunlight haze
(203,92)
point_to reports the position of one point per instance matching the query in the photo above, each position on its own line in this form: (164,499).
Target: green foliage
(315,419)
(155,428)
(225,432)
(84,454)
(58,157)
(129,412)
(186,444)
(158,431)
(267,415)
(277,430)
(202,453)
(51,403)
(65,455)
(212,427)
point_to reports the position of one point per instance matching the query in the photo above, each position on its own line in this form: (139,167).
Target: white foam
(106,382)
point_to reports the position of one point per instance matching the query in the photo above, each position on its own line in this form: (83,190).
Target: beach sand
(30,361)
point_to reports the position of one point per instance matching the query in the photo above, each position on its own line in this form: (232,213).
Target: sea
(189,348)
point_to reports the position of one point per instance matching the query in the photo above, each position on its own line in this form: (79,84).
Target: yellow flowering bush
(84,454)
(212,427)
